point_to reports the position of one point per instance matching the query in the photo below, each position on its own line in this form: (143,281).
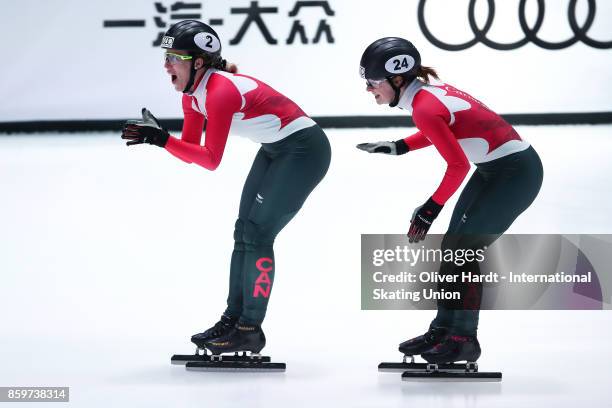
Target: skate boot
(220,328)
(242,337)
(423,343)
(441,360)
(228,336)
(452,349)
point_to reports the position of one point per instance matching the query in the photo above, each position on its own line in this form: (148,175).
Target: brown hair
(223,65)
(229,67)
(220,64)
(424,72)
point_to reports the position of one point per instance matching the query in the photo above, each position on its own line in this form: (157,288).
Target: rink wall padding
(328,122)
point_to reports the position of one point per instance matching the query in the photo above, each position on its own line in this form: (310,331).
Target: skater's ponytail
(424,72)
(223,65)
(219,63)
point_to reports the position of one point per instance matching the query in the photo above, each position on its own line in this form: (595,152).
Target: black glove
(147,130)
(422,217)
(393,148)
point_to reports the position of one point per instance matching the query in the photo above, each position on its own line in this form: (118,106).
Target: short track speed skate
(228,352)
(221,328)
(442,363)
(421,344)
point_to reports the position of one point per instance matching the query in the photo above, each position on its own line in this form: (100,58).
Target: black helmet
(192,36)
(196,38)
(388,57)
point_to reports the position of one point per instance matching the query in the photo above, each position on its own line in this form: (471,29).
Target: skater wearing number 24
(506,181)
(293,158)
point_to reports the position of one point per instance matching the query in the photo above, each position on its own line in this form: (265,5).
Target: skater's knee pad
(239,231)
(257,235)
(239,235)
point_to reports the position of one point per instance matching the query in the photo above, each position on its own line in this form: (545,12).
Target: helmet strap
(193,71)
(397,90)
(192,74)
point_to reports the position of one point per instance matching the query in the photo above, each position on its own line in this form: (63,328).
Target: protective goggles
(173,58)
(374,83)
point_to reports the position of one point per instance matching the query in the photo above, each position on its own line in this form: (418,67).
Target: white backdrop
(61,63)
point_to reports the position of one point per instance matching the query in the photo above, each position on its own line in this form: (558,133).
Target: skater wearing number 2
(507,179)
(293,158)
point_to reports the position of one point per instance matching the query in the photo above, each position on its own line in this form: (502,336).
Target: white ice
(112,257)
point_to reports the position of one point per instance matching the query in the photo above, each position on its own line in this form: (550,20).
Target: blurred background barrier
(71,66)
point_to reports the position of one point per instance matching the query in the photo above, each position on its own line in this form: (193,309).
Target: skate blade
(418,367)
(442,376)
(242,366)
(182,359)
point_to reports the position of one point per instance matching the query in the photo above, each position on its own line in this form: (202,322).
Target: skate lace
(218,328)
(432,334)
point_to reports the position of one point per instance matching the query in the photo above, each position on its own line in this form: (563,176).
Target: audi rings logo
(531,33)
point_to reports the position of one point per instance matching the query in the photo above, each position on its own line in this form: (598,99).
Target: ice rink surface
(112,257)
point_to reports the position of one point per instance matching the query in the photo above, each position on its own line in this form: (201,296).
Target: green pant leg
(475,184)
(511,186)
(249,191)
(297,165)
